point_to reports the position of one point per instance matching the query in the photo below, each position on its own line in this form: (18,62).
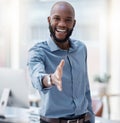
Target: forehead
(62,10)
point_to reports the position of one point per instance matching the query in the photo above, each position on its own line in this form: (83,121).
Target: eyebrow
(59,16)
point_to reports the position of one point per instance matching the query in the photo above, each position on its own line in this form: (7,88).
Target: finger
(59,88)
(58,84)
(61,64)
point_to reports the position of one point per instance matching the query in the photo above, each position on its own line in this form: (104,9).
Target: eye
(68,20)
(56,18)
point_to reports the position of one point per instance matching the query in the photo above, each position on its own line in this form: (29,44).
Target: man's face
(61,23)
(60,39)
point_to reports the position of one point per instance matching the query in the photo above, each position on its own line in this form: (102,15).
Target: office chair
(97,106)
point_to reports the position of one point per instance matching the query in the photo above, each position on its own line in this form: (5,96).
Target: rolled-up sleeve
(36,67)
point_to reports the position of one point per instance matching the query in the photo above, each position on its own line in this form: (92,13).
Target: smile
(60,30)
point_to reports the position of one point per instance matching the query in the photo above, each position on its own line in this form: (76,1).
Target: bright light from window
(14,18)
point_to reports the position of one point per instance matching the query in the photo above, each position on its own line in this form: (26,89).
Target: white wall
(115,56)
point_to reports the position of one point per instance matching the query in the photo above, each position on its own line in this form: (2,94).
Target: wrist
(49,82)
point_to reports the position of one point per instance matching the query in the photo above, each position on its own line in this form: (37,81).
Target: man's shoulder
(78,42)
(39,44)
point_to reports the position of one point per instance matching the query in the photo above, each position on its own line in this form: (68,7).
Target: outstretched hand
(57,75)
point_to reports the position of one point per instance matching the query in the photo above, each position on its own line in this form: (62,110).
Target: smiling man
(61,26)
(58,69)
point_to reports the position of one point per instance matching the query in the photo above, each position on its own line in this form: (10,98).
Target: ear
(74,23)
(48,19)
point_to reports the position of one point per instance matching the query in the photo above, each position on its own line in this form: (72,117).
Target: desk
(20,115)
(15,115)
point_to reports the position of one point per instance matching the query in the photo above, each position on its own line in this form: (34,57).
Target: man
(58,69)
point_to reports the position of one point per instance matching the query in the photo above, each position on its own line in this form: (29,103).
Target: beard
(52,34)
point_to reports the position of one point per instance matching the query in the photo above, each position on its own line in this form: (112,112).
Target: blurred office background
(24,22)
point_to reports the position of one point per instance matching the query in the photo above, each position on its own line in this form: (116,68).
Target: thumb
(61,64)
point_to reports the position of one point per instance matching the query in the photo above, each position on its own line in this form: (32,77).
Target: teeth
(61,30)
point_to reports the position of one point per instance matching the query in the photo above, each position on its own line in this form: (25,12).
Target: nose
(62,23)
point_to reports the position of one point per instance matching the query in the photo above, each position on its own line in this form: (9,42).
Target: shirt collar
(54,47)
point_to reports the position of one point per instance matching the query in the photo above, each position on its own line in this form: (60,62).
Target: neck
(64,46)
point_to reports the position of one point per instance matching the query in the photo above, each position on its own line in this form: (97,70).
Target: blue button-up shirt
(74,99)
